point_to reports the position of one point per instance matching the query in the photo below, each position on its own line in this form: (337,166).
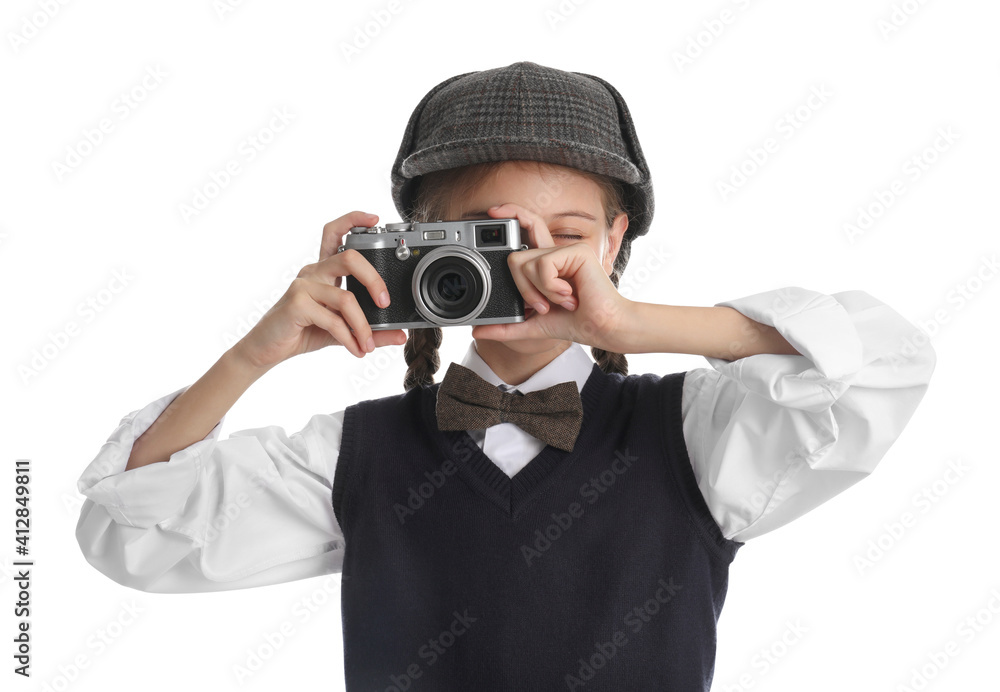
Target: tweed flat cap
(525,111)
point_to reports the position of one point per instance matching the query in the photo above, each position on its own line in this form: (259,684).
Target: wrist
(657,328)
(719,332)
(242,367)
(619,334)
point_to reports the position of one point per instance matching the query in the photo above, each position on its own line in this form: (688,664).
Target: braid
(422,359)
(609,361)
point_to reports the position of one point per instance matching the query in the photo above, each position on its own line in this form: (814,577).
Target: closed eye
(566,235)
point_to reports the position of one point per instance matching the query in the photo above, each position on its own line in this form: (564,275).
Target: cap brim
(480,150)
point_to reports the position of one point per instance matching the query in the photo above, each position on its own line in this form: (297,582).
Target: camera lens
(451,285)
(452,289)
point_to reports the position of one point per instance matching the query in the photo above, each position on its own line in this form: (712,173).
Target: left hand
(572,296)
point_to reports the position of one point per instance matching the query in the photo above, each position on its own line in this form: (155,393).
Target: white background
(63,236)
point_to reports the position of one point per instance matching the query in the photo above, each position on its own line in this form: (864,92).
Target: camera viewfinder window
(492,235)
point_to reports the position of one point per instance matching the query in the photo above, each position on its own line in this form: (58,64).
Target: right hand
(315,312)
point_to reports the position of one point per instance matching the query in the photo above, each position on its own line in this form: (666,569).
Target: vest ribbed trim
(683,474)
(342,471)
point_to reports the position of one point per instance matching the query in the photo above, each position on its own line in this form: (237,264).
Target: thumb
(512,331)
(388,337)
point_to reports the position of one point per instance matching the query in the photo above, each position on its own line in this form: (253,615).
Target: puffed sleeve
(251,510)
(773,436)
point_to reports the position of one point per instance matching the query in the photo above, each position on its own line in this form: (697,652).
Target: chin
(530,347)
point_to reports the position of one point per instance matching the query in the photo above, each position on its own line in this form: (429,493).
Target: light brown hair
(435,195)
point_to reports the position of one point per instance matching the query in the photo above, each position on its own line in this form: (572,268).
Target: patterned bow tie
(465,401)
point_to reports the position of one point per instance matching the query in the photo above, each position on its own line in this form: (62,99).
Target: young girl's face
(568,204)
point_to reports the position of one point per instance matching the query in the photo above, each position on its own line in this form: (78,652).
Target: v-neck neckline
(514,495)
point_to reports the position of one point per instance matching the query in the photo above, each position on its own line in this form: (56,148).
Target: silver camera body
(441,273)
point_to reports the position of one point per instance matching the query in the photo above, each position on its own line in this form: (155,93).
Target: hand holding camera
(315,312)
(445,273)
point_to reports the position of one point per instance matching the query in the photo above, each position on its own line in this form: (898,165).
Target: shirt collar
(572,365)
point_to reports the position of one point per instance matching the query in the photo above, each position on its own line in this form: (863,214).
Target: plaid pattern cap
(525,111)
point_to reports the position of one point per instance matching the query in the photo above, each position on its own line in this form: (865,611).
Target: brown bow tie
(465,401)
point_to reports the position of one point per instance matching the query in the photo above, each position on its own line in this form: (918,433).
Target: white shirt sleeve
(251,510)
(771,436)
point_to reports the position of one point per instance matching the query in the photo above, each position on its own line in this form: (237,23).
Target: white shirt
(769,436)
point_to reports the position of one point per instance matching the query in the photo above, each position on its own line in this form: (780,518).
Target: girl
(479,556)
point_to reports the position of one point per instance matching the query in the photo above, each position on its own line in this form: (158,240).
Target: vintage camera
(439,274)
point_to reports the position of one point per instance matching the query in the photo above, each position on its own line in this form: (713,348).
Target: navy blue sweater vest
(596,569)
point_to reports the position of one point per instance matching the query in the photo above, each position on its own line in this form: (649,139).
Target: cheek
(599,247)
(603,250)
